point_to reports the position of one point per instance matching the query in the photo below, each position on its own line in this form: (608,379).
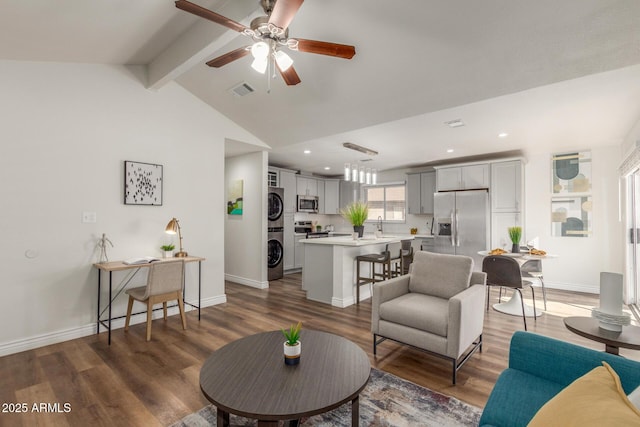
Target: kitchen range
(312,232)
(307,228)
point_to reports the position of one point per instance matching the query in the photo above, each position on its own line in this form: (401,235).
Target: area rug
(386,401)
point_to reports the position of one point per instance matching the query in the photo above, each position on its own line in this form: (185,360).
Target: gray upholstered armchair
(438,307)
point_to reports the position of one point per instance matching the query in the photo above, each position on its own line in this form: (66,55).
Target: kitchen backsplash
(421,222)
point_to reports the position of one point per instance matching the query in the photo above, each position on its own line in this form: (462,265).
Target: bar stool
(407,256)
(383,259)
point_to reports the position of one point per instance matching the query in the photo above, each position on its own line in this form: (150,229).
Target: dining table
(514,305)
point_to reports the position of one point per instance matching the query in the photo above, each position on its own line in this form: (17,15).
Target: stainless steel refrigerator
(462,223)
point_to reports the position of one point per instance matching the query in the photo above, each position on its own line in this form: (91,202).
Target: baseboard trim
(55,337)
(574,287)
(247,282)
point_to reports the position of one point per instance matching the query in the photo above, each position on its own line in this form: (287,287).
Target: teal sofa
(539,368)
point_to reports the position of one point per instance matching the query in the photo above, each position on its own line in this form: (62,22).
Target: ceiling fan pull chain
(269,73)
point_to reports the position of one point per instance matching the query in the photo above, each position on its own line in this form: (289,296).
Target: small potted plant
(292,346)
(356,213)
(515,234)
(168,250)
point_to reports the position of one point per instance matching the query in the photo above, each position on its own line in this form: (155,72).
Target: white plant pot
(292,353)
(168,254)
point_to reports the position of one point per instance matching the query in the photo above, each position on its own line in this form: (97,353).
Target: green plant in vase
(356,213)
(168,250)
(515,234)
(292,346)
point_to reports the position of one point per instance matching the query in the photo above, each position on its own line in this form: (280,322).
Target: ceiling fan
(270,34)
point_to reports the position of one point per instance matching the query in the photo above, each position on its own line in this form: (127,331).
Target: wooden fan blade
(228,57)
(326,48)
(289,76)
(283,12)
(200,11)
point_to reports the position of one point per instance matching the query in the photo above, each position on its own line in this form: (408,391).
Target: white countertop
(367,239)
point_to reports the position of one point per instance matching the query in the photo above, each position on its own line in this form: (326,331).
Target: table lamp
(172,228)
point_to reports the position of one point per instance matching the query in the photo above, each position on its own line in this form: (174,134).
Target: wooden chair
(407,258)
(393,252)
(164,283)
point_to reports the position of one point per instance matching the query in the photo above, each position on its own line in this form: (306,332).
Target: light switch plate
(88,217)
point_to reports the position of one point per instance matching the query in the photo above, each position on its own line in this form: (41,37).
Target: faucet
(379,225)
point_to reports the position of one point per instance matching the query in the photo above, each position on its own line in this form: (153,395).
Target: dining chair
(505,272)
(533,268)
(164,283)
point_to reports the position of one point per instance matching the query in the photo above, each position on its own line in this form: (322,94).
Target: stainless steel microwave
(308,204)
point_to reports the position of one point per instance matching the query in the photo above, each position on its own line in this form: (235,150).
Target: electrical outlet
(88,217)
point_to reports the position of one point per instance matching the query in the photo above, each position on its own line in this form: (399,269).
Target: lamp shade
(260,50)
(284,61)
(260,65)
(173,227)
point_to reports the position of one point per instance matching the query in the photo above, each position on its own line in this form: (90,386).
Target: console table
(112,266)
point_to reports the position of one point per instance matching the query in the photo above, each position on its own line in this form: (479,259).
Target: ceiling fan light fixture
(260,65)
(260,50)
(284,61)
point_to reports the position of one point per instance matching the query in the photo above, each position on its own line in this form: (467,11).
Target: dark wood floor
(135,383)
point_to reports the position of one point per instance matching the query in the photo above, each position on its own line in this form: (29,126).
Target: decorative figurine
(102,243)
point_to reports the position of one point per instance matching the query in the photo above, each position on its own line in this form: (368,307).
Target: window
(386,201)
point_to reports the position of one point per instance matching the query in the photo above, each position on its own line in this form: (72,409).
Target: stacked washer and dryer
(275,233)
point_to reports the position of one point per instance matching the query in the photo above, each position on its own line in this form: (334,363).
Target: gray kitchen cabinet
(288,182)
(507,201)
(413,194)
(427,188)
(273,177)
(321,200)
(427,245)
(289,243)
(420,189)
(468,177)
(506,186)
(331,196)
(299,251)
(306,186)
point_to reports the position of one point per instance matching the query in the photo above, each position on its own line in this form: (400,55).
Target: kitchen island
(329,272)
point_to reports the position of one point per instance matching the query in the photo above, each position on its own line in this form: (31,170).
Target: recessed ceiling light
(503,135)
(327,168)
(450,150)
(307,151)
(454,123)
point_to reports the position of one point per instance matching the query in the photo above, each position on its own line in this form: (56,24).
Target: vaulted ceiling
(554,75)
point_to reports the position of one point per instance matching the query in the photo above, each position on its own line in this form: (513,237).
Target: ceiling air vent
(242,89)
(454,123)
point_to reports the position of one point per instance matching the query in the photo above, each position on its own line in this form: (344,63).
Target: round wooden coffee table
(588,327)
(248,377)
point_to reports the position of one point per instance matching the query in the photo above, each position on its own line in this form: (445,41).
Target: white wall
(66,130)
(246,234)
(580,260)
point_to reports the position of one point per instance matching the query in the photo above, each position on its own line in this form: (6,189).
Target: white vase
(292,353)
(168,254)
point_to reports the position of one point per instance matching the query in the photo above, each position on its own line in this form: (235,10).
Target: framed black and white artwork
(142,184)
